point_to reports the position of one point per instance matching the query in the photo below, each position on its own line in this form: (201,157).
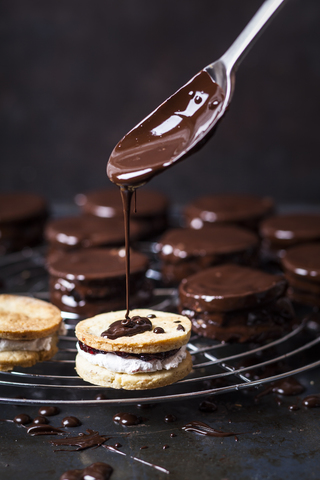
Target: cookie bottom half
(140,381)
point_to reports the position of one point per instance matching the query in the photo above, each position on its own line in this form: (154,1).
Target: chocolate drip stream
(126,196)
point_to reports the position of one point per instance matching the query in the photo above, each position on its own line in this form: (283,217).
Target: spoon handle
(236,52)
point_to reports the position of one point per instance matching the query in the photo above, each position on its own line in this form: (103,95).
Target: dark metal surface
(272,442)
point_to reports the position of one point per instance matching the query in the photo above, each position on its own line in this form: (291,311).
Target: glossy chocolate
(312,401)
(95,471)
(48,411)
(126,419)
(244,210)
(82,441)
(70,422)
(127,327)
(229,287)
(22,419)
(186,251)
(282,231)
(303,261)
(70,233)
(204,429)
(92,281)
(43,429)
(168,134)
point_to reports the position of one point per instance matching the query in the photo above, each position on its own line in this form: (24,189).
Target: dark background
(76,75)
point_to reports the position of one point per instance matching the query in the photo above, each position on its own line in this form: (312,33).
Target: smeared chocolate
(127,327)
(43,429)
(127,419)
(204,429)
(285,386)
(82,441)
(95,471)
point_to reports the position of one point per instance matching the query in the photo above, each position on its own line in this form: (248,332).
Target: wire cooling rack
(217,367)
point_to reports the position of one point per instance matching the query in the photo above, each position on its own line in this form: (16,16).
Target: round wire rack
(217,367)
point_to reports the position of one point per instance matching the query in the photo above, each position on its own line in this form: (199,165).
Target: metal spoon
(185,120)
(223,70)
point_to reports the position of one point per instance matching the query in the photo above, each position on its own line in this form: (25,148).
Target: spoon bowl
(185,121)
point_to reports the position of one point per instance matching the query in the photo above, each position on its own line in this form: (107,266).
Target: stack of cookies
(147,350)
(232,303)
(28,331)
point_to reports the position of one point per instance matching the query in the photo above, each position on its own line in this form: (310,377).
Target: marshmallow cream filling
(133,365)
(26,345)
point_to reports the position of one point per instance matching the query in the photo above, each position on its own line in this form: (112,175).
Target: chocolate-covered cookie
(92,281)
(301,264)
(71,233)
(282,231)
(150,209)
(186,251)
(236,303)
(22,220)
(243,210)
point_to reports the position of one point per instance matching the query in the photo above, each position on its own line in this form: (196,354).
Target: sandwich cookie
(147,350)
(243,210)
(28,331)
(22,220)
(280,232)
(150,210)
(301,265)
(232,303)
(93,280)
(186,251)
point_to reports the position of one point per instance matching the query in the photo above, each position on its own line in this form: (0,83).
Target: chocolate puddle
(204,429)
(285,386)
(83,441)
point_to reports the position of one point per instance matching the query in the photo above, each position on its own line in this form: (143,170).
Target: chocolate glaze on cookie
(149,212)
(230,287)
(243,210)
(282,231)
(301,264)
(70,233)
(186,251)
(88,282)
(22,220)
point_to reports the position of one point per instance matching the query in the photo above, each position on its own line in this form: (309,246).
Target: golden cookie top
(26,318)
(166,331)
